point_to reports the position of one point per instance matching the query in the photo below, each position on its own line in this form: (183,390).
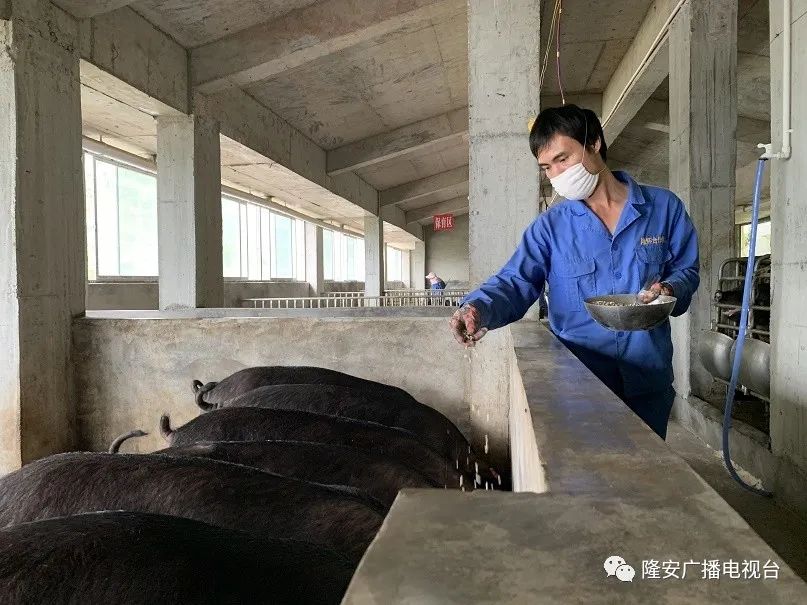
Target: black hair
(569,120)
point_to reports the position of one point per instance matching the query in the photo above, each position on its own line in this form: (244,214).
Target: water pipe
(782,154)
(787,26)
(738,354)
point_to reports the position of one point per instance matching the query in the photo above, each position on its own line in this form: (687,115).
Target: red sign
(443,222)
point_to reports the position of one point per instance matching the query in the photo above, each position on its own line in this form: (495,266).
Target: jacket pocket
(574,282)
(652,260)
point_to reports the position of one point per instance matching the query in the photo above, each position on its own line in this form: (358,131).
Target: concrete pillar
(406,269)
(314,262)
(189,212)
(703,125)
(789,252)
(503,95)
(373,255)
(418,263)
(42,239)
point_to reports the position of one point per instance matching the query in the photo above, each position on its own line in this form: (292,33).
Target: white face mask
(575,183)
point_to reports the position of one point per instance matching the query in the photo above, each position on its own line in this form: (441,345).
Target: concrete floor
(783,530)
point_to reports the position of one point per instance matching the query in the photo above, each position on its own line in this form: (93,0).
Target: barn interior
(190,188)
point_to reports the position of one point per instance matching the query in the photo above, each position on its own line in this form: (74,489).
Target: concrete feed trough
(584,466)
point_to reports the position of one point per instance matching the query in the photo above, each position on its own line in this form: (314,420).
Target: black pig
(380,477)
(220,493)
(243,381)
(427,424)
(137,558)
(257,424)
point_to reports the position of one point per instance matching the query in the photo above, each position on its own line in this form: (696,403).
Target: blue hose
(738,355)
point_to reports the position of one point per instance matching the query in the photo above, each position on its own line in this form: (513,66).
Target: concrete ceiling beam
(128,59)
(415,190)
(84,9)
(299,37)
(388,145)
(394,216)
(456,206)
(108,85)
(124,45)
(749,130)
(658,127)
(416,230)
(397,217)
(618,109)
(636,79)
(300,161)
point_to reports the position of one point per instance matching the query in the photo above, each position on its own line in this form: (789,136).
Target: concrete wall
(788,411)
(236,291)
(144,295)
(122,295)
(447,251)
(132,370)
(487,379)
(525,460)
(358,286)
(109,296)
(344,286)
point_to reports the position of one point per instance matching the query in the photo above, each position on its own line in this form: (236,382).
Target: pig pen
(131,368)
(592,480)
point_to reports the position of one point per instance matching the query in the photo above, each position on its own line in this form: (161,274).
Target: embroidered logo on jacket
(652,239)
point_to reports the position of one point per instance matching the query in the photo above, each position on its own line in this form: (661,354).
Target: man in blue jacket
(610,236)
(435,282)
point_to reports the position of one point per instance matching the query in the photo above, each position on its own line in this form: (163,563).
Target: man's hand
(654,291)
(466,325)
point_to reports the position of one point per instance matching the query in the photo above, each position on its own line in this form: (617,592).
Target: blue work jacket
(570,248)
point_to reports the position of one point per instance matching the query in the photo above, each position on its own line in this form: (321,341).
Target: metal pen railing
(428,292)
(403,299)
(726,315)
(357,294)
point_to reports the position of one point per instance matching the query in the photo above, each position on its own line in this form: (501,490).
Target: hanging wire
(548,44)
(557,52)
(554,35)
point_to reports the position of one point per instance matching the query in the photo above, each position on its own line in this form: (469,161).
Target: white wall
(447,251)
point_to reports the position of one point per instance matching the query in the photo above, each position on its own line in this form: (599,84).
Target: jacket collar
(635,194)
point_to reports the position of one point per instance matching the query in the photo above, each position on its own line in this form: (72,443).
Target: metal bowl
(626,314)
